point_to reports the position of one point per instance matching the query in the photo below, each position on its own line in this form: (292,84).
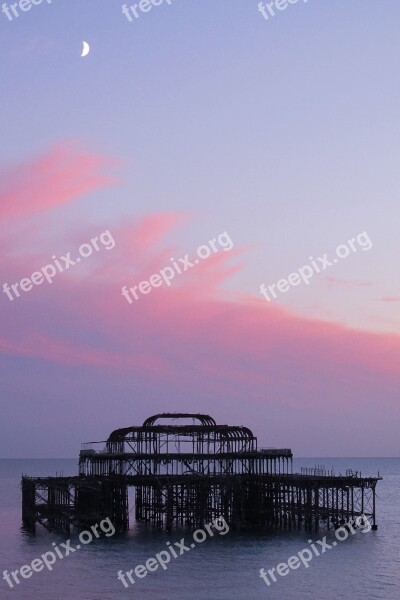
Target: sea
(225,566)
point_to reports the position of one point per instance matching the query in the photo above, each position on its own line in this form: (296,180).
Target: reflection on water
(221,568)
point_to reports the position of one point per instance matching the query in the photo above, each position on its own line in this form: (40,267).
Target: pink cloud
(193,333)
(59,176)
(391,299)
(151,229)
(335,281)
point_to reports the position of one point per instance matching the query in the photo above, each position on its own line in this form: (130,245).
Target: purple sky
(194,120)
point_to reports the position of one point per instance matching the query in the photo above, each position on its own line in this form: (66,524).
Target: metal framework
(190,473)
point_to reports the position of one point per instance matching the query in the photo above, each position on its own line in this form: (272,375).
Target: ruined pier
(188,474)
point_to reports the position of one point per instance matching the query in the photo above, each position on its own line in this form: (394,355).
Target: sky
(201,121)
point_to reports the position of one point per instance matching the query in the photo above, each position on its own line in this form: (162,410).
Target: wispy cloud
(61,175)
(346,283)
(193,335)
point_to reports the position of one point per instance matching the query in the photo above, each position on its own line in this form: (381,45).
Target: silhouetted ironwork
(189,474)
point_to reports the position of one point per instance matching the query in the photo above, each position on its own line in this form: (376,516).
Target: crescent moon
(85,49)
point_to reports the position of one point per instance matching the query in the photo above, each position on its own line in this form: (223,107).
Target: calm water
(225,567)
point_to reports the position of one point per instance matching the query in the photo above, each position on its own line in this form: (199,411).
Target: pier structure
(186,471)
